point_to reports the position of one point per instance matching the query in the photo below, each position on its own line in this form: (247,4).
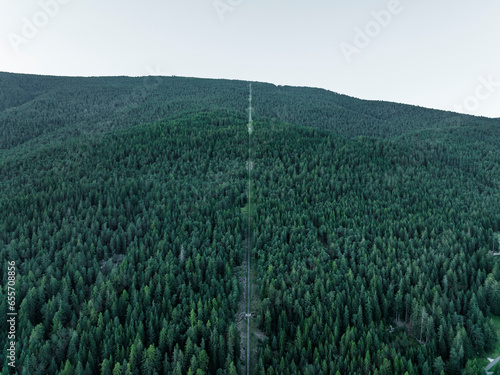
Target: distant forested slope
(43,108)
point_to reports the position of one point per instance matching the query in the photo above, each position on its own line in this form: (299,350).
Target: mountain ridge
(42,105)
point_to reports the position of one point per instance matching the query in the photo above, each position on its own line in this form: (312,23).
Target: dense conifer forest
(124,205)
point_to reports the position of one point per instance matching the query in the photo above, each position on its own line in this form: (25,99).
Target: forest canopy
(124,204)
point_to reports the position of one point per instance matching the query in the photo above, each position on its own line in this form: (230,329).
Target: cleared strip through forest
(248,314)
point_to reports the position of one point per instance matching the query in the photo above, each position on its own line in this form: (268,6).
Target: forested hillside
(41,108)
(373,229)
(373,255)
(126,247)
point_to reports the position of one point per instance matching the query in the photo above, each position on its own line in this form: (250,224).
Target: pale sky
(439,54)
